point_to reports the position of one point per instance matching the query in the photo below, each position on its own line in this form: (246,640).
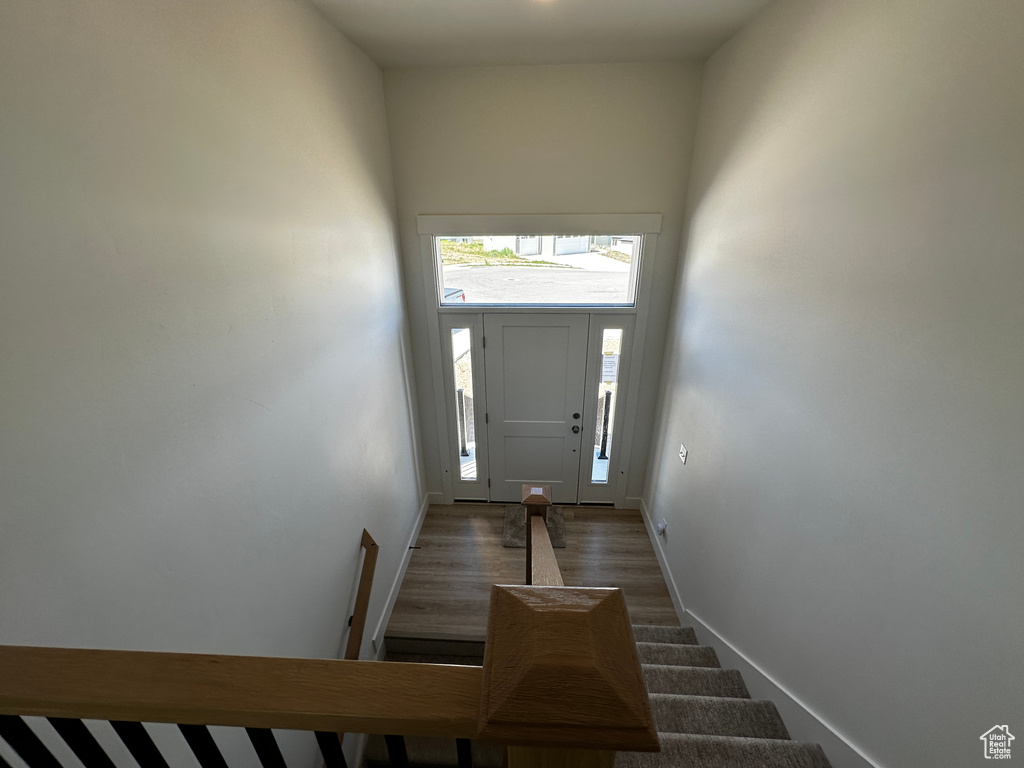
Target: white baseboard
(659,551)
(632,502)
(801,721)
(435,498)
(377,638)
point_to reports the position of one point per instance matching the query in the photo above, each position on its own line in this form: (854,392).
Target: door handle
(576,430)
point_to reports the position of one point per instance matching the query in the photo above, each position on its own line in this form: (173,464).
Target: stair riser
(704,714)
(695,681)
(713,716)
(679,655)
(719,751)
(651,634)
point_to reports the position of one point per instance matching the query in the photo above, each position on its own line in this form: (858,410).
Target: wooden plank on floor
(447,588)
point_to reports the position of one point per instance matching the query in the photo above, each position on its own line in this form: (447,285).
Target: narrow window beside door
(462,369)
(611,347)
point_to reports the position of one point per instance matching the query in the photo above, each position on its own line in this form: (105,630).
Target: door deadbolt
(576,430)
(575,415)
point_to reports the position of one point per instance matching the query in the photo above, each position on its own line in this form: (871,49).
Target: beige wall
(603,138)
(846,367)
(202,398)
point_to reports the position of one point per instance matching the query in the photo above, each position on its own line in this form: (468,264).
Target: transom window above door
(543,270)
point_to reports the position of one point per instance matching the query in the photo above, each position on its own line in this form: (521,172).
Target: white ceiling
(408,33)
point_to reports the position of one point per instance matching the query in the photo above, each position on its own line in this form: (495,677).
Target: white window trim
(459,225)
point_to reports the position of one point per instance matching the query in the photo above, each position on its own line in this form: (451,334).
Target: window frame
(441,316)
(541,225)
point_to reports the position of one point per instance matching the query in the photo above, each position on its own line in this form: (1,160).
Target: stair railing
(326,696)
(541,565)
(357,621)
(561,686)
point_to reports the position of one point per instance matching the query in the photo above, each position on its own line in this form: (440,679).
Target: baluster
(330,748)
(396,751)
(265,744)
(24,741)
(139,743)
(82,742)
(203,746)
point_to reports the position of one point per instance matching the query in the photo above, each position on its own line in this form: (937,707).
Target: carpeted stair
(704,714)
(677,655)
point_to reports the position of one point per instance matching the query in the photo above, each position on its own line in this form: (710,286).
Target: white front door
(535,367)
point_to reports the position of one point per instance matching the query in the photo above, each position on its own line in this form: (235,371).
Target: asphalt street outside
(538,285)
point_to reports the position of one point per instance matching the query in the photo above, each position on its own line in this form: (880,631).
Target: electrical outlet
(682,453)
(662,527)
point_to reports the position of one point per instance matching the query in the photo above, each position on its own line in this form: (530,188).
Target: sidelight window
(462,370)
(611,350)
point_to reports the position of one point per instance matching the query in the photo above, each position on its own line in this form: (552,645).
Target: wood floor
(446,591)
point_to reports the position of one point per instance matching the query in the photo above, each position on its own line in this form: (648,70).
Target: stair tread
(677,654)
(704,715)
(696,751)
(652,633)
(717,716)
(694,681)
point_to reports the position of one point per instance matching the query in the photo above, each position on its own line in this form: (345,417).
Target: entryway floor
(446,591)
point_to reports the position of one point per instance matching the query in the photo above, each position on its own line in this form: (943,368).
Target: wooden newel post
(536,500)
(562,684)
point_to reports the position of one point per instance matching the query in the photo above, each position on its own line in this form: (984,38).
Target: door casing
(648,225)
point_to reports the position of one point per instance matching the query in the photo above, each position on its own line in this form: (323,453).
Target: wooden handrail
(251,691)
(358,623)
(561,683)
(543,565)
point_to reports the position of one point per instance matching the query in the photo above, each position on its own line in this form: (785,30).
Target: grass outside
(611,253)
(472,254)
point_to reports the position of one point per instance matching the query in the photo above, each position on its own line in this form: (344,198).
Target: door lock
(576,430)
(575,415)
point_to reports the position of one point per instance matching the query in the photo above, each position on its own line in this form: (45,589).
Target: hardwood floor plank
(447,588)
